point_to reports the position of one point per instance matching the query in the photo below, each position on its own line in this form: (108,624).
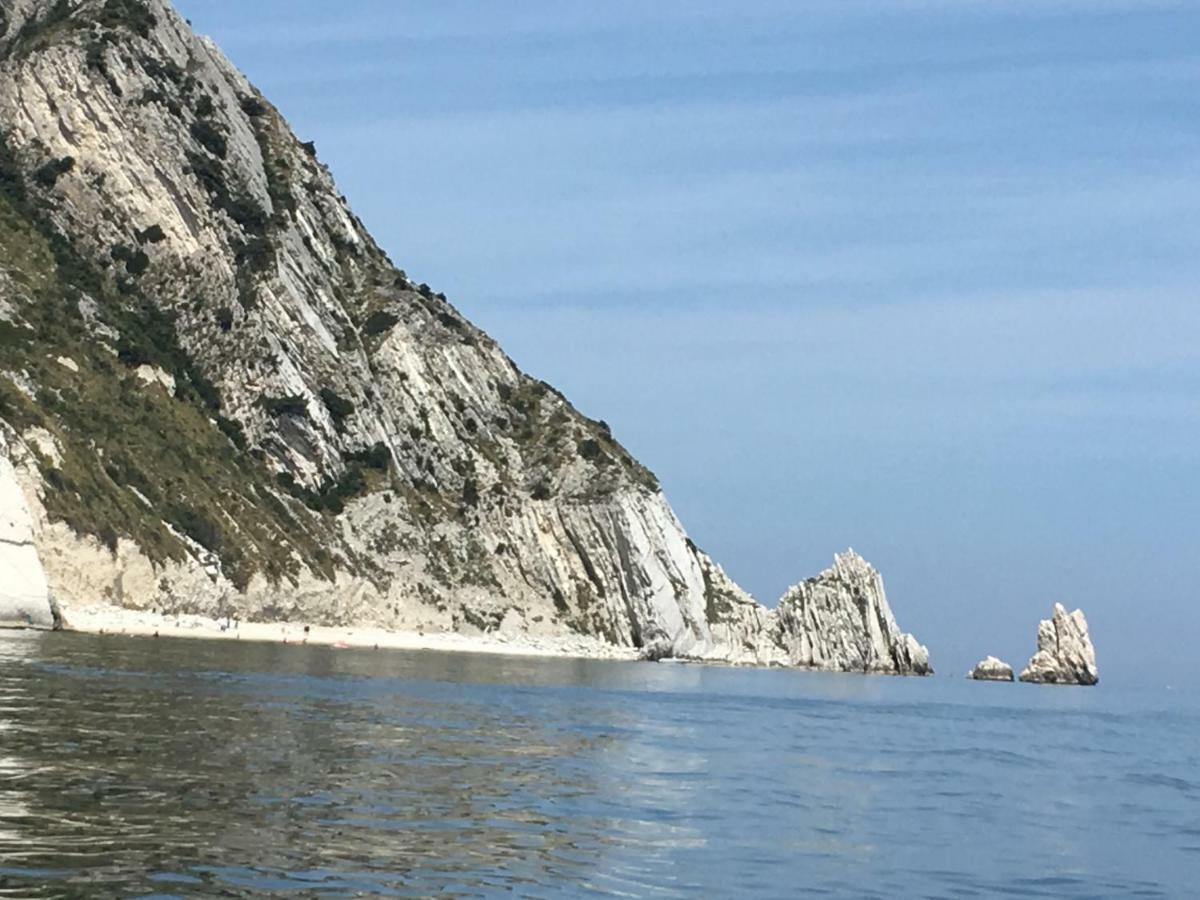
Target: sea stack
(841,620)
(992,669)
(1064,651)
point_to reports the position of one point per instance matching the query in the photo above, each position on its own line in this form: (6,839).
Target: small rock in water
(992,669)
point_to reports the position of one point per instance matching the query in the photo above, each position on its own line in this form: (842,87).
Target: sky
(913,276)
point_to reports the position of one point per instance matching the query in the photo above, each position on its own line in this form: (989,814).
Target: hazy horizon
(912,277)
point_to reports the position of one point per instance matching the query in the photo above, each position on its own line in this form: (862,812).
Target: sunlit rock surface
(1065,654)
(992,669)
(24,595)
(841,620)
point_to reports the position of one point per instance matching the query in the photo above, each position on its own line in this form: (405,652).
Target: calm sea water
(140,767)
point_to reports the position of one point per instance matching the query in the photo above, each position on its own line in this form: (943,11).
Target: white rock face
(992,669)
(841,620)
(24,595)
(1065,654)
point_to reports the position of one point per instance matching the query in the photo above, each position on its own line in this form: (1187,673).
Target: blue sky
(917,277)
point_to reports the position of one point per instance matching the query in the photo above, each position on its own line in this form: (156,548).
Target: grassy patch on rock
(161,468)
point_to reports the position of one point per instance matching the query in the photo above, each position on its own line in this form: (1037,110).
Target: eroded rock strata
(235,402)
(1065,654)
(841,620)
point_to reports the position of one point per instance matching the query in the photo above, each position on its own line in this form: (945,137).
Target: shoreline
(104,619)
(142,623)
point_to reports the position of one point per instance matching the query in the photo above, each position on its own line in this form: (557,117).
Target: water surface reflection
(133,767)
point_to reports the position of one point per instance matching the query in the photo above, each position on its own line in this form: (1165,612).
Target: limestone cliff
(242,405)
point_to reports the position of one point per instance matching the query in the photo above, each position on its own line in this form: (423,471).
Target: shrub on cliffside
(339,407)
(47,176)
(293,405)
(379,322)
(131,14)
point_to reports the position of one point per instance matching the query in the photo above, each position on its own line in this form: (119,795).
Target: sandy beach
(117,620)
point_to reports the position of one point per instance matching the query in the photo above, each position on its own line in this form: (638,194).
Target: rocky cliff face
(841,620)
(1065,654)
(242,405)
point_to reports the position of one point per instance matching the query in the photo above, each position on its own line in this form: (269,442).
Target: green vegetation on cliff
(137,461)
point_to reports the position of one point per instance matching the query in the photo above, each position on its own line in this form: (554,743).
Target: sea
(140,767)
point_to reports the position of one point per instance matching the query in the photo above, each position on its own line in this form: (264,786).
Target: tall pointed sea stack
(1064,651)
(841,620)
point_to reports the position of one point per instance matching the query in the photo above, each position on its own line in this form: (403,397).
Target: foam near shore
(117,620)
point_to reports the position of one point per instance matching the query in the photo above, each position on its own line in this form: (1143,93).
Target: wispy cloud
(318,23)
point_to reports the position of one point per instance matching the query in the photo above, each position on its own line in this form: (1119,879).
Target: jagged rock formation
(841,620)
(992,669)
(234,402)
(24,595)
(1064,651)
